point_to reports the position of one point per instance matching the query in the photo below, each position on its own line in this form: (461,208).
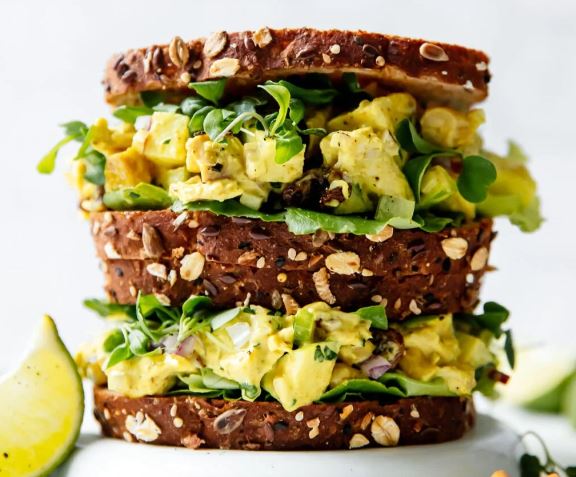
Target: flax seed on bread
(195,422)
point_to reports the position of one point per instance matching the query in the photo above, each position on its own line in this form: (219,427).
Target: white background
(52,55)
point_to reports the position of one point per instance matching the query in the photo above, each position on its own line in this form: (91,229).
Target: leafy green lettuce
(141,197)
(302,221)
(390,384)
(149,322)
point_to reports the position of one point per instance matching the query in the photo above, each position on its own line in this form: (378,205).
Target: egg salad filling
(315,153)
(318,354)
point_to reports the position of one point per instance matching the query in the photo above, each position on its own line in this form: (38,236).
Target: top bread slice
(434,72)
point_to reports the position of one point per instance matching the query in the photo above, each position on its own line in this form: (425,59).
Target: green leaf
(129,114)
(78,129)
(485,383)
(288,145)
(310,95)
(48,162)
(477,175)
(329,354)
(152,98)
(229,208)
(191,104)
(414,171)
(390,384)
(397,212)
(509,349)
(139,343)
(376,314)
(313,132)
(324,354)
(105,309)
(431,223)
(318,354)
(86,145)
(121,353)
(246,105)
(492,319)
(113,340)
(148,305)
(570,471)
(195,385)
(194,304)
(166,108)
(281,95)
(196,123)
(142,197)
(301,221)
(530,466)
(212,381)
(74,131)
(210,90)
(494,316)
(95,164)
(214,123)
(411,141)
(297,110)
(250,392)
(351,82)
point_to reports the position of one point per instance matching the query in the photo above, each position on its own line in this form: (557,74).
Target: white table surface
(555,430)
(490,446)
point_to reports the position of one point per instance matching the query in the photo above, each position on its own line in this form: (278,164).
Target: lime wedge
(540,379)
(41,408)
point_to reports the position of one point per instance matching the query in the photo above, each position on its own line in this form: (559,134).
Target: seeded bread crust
(241,241)
(438,72)
(217,424)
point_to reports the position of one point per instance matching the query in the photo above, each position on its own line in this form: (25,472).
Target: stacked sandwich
(293,227)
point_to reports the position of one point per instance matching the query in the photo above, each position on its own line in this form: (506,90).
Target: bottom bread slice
(195,422)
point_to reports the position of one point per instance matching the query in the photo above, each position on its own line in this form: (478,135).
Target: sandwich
(293,227)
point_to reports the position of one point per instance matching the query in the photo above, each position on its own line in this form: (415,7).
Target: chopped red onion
(143,122)
(375,366)
(169,343)
(186,348)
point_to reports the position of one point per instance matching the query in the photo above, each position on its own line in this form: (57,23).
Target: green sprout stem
(242,118)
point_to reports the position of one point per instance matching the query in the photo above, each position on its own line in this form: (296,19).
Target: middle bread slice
(231,260)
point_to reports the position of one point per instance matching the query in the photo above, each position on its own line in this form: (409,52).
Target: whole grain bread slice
(239,241)
(435,72)
(175,280)
(195,422)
